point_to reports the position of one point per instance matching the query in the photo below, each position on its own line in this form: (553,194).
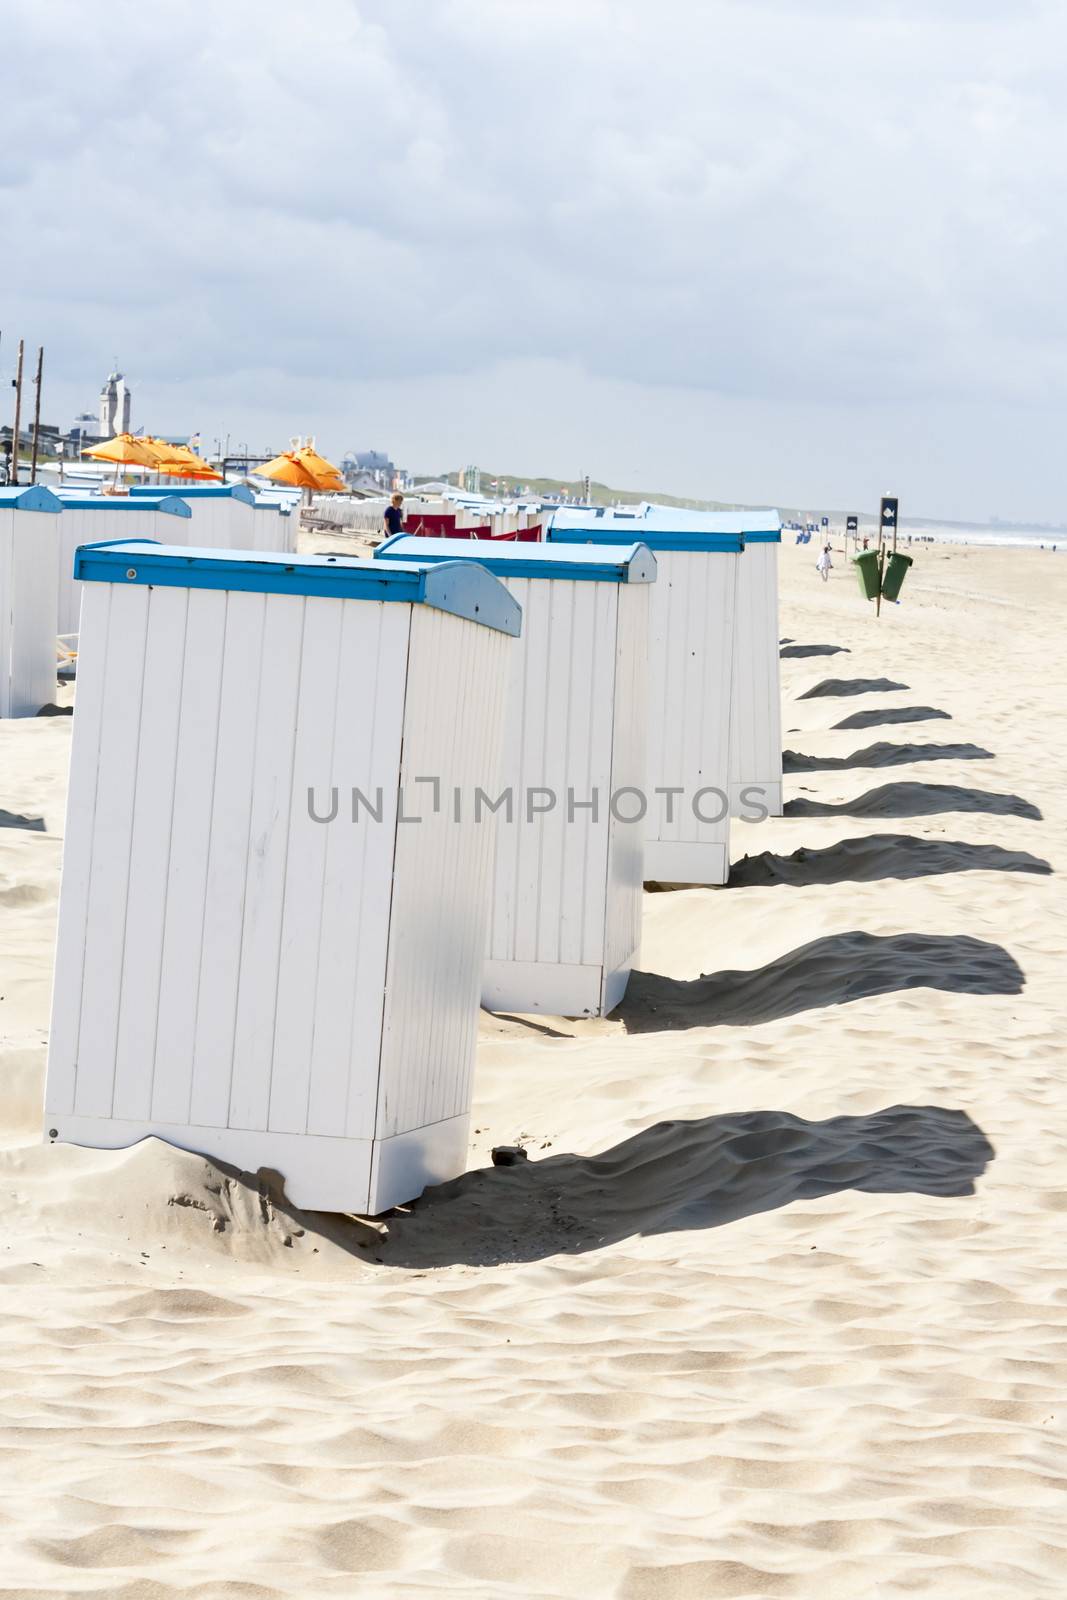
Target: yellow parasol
(178,461)
(326,475)
(288,468)
(124,450)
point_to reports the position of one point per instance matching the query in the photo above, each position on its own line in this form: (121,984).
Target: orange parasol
(326,475)
(124,450)
(288,468)
(178,461)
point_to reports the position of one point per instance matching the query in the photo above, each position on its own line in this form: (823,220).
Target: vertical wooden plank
(664,710)
(31,591)
(536,734)
(313,767)
(224,905)
(272,793)
(353,939)
(77,851)
(624,872)
(523,662)
(109,875)
(7,605)
(571,615)
(440,893)
(591,869)
(186,882)
(150,853)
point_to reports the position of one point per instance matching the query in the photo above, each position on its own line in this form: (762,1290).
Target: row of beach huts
(323,807)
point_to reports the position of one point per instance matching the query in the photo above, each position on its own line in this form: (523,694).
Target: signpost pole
(887,523)
(36,414)
(18,416)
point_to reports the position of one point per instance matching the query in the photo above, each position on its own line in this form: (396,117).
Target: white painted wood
(78,855)
(109,880)
(756,721)
(681,861)
(566,879)
(219,522)
(321,1174)
(29,556)
(545,988)
(186,891)
(227,863)
(274,527)
(629,783)
(406,1163)
(233,976)
(358,878)
(79,525)
(213,523)
(150,836)
(691,659)
(273,778)
(457,681)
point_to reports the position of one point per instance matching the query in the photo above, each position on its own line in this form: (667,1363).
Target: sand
(778,1306)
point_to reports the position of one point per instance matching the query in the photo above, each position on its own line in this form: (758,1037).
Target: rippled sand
(778,1307)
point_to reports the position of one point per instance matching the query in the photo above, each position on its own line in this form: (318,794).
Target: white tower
(122,405)
(108,406)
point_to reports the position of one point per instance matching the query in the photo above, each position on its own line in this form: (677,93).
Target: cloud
(749,200)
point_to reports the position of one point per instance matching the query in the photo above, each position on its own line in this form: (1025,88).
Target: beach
(776,1307)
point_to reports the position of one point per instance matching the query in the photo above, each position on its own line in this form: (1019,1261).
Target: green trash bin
(866,565)
(895,573)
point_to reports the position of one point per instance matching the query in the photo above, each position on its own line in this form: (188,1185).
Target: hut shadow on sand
(827,972)
(877,856)
(884,754)
(918,800)
(676,1176)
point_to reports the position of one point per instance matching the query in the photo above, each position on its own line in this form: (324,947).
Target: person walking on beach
(394,515)
(824,563)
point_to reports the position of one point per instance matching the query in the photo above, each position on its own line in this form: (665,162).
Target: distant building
(114,406)
(365,469)
(472,480)
(85,429)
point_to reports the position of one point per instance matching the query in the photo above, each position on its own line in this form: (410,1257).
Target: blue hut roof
(613,563)
(463,588)
(172,504)
(29,497)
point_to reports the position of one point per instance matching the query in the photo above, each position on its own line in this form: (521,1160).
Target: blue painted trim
(763,536)
(198,491)
(463,588)
(653,539)
(172,504)
(29,497)
(616,563)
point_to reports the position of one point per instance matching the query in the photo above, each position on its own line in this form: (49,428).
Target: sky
(750,250)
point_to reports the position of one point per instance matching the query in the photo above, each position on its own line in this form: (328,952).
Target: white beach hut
(755,785)
(756,724)
(567,881)
(276,525)
(256,958)
(29,568)
(691,663)
(93,518)
(221,515)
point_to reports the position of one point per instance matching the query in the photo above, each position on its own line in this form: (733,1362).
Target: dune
(777,1304)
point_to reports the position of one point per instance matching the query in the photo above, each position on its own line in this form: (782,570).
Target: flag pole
(36,414)
(18,415)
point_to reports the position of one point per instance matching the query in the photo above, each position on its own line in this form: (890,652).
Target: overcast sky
(770,250)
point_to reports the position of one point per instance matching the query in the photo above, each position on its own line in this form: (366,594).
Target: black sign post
(887,527)
(852,529)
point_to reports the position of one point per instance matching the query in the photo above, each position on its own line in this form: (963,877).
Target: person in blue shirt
(394,515)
